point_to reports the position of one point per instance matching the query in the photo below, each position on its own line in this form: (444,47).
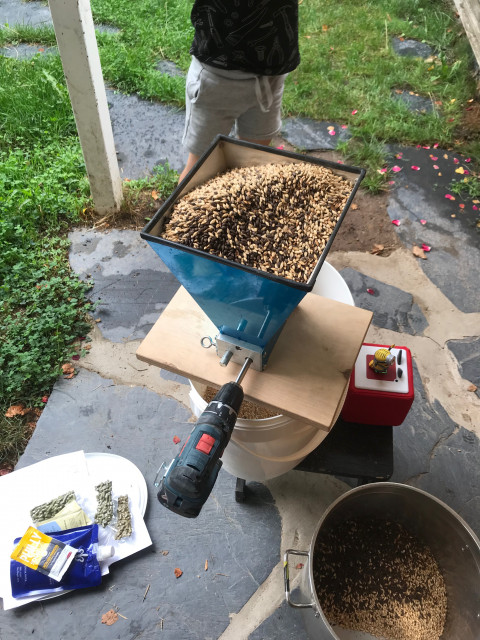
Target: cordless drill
(190,477)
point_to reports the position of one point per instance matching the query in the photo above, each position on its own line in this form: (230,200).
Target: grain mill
(242,309)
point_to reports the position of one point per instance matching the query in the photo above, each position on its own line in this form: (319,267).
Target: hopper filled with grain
(247,231)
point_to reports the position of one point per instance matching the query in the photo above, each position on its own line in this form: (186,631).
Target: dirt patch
(367,227)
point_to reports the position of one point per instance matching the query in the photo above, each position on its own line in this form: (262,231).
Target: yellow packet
(43,553)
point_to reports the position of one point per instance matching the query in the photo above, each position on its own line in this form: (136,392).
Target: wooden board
(307,374)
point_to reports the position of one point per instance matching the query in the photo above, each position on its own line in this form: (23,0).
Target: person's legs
(191,160)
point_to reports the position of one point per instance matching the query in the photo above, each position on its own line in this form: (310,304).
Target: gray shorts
(218,99)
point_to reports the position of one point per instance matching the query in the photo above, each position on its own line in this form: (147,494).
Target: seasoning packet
(43,553)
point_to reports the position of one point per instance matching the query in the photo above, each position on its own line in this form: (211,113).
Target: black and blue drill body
(190,477)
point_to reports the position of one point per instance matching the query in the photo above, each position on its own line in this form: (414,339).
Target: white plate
(125,476)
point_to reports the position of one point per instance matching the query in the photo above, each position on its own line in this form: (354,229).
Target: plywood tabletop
(307,373)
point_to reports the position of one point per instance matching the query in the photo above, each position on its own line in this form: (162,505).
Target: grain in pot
(374,576)
(276,218)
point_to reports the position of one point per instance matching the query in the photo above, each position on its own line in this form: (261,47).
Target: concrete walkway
(119,405)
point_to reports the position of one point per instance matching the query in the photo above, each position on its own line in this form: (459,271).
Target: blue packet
(83,572)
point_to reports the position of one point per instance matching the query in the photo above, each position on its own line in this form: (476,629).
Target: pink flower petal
(425,247)
(399,155)
(75,357)
(475,207)
(468,159)
(423,221)
(176,439)
(331,133)
(281,147)
(435,166)
(371,291)
(419,146)
(383,170)
(396,222)
(354,112)
(456,161)
(396,169)
(391,182)
(426,147)
(466,173)
(449,196)
(344,126)
(433,157)
(435,146)
(415,168)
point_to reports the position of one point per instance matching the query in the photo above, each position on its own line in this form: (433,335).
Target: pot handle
(286,578)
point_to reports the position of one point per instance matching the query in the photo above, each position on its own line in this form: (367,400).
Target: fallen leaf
(377,248)
(164,553)
(300,565)
(178,572)
(460,170)
(16,410)
(69,377)
(87,347)
(68,368)
(445,155)
(110,617)
(419,253)
(324,27)
(452,215)
(426,247)
(206,565)
(176,439)
(354,206)
(76,357)
(97,320)
(472,387)
(330,128)
(154,195)
(41,49)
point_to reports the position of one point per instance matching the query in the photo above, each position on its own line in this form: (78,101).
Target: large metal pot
(455,546)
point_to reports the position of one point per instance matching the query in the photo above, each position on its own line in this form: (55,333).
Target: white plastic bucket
(263,449)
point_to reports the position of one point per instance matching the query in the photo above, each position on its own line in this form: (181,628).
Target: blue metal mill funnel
(247,305)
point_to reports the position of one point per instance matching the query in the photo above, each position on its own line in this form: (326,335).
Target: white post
(75,33)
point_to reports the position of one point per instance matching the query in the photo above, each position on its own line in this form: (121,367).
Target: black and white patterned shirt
(257,36)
